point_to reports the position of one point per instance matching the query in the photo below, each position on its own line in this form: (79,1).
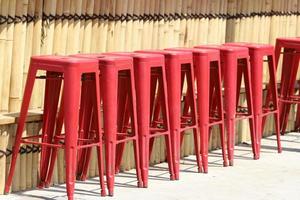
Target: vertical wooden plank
(36,100)
(197,25)
(222,23)
(177,12)
(73,43)
(48,27)
(242,31)
(3,51)
(87,38)
(119,33)
(129,27)
(189,24)
(292,26)
(194,23)
(28,43)
(151,23)
(8,57)
(3,146)
(57,39)
(230,23)
(161,26)
(17,65)
(140,24)
(82,22)
(183,21)
(98,4)
(213,29)
(298,18)
(111,26)
(147,33)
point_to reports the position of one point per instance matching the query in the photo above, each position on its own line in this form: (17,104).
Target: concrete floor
(275,177)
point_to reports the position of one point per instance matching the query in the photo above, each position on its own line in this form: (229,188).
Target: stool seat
(140,57)
(107,60)
(239,52)
(167,53)
(117,61)
(261,48)
(212,54)
(62,63)
(289,40)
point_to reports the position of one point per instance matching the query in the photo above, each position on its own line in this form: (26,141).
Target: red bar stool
(261,110)
(290,63)
(235,63)
(71,70)
(120,111)
(208,77)
(85,120)
(178,66)
(150,74)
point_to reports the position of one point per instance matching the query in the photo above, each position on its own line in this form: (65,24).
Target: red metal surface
(235,63)
(179,65)
(208,78)
(257,53)
(149,70)
(72,70)
(290,63)
(119,111)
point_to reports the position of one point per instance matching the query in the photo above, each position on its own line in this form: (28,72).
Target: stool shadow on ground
(297,150)
(58,192)
(36,196)
(283,140)
(215,163)
(159,176)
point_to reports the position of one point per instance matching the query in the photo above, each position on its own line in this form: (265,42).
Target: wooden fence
(35,27)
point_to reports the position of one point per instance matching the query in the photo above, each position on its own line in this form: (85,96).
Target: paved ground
(274,176)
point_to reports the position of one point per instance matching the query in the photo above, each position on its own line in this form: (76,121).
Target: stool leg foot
(204,138)
(169,157)
(111,192)
(223,144)
(225,164)
(70,197)
(279,148)
(41,185)
(176,152)
(137,164)
(97,114)
(255,120)
(197,149)
(145,184)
